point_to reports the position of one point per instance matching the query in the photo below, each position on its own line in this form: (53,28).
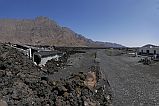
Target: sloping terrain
(42,31)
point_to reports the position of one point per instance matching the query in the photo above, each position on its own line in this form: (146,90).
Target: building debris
(145,61)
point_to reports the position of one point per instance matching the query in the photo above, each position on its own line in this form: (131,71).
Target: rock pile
(53,66)
(147,60)
(81,90)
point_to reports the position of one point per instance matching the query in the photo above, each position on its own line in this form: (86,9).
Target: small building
(41,57)
(149,50)
(39,54)
(26,50)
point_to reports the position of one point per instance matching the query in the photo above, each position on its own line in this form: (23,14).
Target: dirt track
(133,84)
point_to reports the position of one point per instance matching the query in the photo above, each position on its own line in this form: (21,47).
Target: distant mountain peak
(41,18)
(43,31)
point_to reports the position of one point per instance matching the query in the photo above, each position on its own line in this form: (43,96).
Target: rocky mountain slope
(43,31)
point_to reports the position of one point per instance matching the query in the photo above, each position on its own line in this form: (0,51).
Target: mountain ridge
(43,31)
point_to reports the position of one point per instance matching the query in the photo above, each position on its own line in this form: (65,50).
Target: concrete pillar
(30,56)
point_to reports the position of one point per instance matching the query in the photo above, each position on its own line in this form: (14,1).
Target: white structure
(24,49)
(45,59)
(149,50)
(41,57)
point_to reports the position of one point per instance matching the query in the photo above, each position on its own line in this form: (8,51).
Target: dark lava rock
(24,84)
(53,66)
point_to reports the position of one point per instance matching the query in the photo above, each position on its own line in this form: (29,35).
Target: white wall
(44,60)
(151,50)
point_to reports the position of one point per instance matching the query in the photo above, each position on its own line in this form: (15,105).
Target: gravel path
(80,62)
(133,84)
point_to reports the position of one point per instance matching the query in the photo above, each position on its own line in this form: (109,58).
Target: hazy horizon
(131,23)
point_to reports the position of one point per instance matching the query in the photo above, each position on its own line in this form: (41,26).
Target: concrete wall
(44,60)
(151,50)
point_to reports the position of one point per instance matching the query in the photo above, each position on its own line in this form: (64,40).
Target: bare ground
(132,83)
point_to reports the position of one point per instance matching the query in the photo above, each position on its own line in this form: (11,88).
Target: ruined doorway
(37,59)
(154,51)
(142,51)
(147,51)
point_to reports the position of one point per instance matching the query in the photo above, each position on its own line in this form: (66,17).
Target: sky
(128,22)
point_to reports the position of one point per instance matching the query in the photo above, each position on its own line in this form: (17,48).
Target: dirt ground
(132,83)
(75,82)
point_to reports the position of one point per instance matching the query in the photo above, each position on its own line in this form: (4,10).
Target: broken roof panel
(48,53)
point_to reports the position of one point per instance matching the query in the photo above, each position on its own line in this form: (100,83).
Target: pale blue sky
(128,22)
